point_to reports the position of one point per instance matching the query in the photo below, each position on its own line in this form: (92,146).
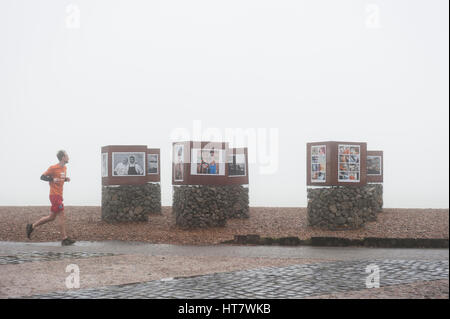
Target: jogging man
(56,175)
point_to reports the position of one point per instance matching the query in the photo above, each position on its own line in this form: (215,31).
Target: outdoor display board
(336,163)
(129,165)
(375,166)
(208,163)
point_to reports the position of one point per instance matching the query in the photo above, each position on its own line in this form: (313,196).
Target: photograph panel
(237,165)
(128,164)
(178,160)
(207,162)
(318,163)
(374,165)
(349,163)
(152,164)
(104,164)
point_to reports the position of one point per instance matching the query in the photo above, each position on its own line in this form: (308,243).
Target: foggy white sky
(134,71)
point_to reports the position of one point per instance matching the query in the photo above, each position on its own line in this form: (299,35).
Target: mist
(78,75)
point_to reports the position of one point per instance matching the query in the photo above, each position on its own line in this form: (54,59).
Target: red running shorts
(57,203)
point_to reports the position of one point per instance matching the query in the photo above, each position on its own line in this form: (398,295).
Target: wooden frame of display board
(191,163)
(115,174)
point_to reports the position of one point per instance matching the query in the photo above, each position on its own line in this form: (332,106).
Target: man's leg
(44,220)
(62,224)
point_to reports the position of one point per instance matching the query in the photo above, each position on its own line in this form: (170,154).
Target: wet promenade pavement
(120,247)
(349,270)
(296,281)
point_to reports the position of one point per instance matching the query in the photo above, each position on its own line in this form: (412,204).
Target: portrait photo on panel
(237,165)
(207,162)
(104,164)
(152,164)
(373,165)
(128,163)
(318,163)
(178,160)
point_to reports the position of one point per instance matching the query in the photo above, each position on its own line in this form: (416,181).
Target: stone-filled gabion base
(378,197)
(344,207)
(199,206)
(130,202)
(239,199)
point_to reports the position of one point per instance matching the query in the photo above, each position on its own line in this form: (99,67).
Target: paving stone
(274,282)
(23,257)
